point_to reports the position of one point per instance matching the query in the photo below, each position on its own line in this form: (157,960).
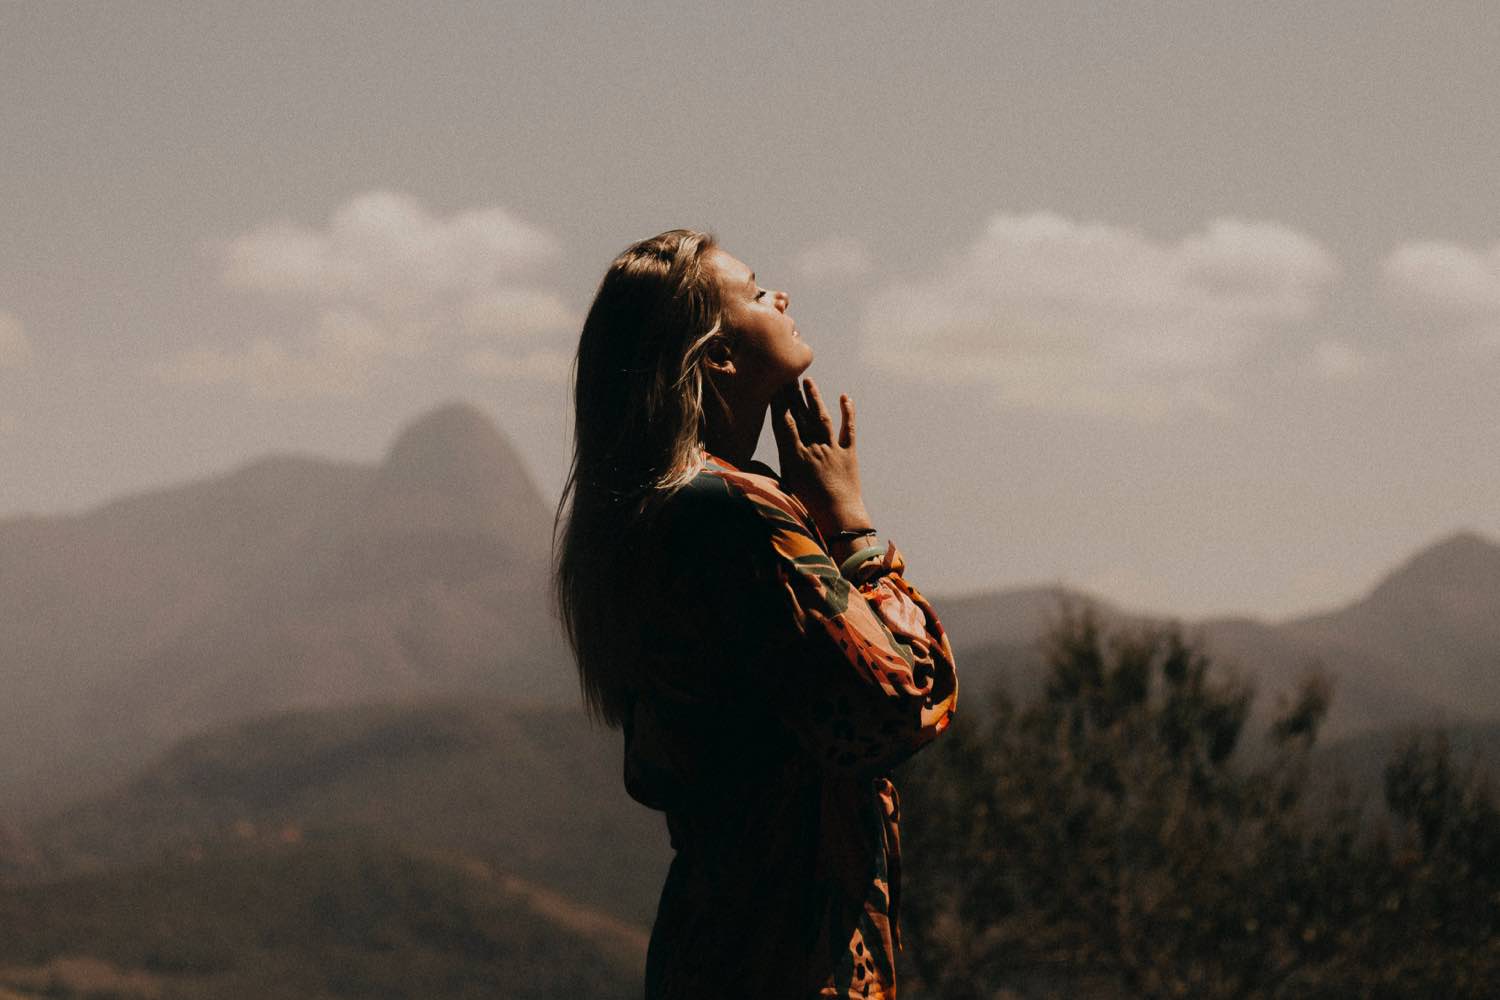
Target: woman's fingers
(786,428)
(784,407)
(787,397)
(801,418)
(816,409)
(814,399)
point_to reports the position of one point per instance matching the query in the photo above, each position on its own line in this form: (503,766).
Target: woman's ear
(718,358)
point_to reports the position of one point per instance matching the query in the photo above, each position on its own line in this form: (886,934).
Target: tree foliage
(1114,838)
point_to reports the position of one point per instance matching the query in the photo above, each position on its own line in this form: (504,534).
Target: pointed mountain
(1460,572)
(1437,616)
(451,503)
(451,472)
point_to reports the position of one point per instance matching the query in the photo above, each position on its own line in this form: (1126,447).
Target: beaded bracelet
(859,557)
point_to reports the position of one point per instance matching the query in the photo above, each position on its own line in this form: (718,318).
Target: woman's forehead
(731,270)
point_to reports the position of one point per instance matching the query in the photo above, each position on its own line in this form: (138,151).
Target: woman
(758,645)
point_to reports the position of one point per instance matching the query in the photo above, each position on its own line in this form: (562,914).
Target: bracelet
(849,533)
(853,561)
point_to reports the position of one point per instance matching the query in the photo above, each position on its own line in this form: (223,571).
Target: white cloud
(385,249)
(1447,277)
(1456,286)
(1056,314)
(838,258)
(15,347)
(381,285)
(534,366)
(339,357)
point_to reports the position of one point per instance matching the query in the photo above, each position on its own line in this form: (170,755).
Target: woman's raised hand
(820,469)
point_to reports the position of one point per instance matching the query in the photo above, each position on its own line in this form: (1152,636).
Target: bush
(1109,840)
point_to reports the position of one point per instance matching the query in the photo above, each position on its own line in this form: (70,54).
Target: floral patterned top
(780,695)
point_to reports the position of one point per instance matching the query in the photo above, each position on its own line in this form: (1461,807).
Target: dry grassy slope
(313,919)
(534,792)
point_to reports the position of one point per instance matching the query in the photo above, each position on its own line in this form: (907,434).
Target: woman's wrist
(845,529)
(840,551)
(833,520)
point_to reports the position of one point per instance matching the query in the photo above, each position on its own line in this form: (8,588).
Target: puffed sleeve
(859,669)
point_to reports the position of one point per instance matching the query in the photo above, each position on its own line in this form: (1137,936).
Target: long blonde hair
(638,402)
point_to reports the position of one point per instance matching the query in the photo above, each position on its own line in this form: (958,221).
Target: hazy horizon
(1193,307)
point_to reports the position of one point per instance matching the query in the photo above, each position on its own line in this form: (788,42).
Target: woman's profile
(758,645)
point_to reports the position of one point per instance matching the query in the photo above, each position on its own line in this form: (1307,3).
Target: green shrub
(1108,840)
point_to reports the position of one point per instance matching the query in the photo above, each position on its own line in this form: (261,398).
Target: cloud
(1060,315)
(838,258)
(15,347)
(386,250)
(382,285)
(1447,277)
(1456,286)
(339,357)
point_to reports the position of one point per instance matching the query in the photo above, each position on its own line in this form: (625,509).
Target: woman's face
(765,347)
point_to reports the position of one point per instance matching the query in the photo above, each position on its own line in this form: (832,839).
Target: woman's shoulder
(723,501)
(756,483)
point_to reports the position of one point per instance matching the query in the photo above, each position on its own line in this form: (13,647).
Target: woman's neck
(733,437)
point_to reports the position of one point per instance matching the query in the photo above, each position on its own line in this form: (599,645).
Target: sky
(1193,305)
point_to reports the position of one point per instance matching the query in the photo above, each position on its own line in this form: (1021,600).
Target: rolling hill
(441,848)
(532,791)
(307,919)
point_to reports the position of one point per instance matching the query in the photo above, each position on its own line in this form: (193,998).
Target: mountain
(534,791)
(1422,648)
(1432,626)
(289,582)
(1358,762)
(296,582)
(452,471)
(313,918)
(454,847)
(1366,694)
(997,637)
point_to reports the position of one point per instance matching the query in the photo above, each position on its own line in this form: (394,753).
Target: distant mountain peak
(457,449)
(1464,561)
(453,470)
(1462,544)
